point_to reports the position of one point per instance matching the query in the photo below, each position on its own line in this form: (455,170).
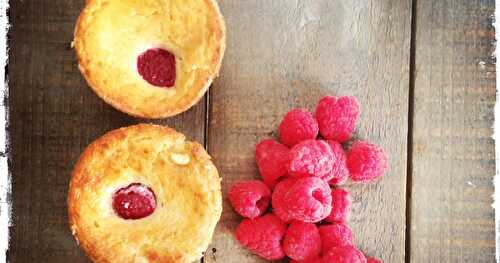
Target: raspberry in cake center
(157,67)
(134,201)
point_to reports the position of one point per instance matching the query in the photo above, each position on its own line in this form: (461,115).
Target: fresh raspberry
(341,206)
(278,199)
(262,236)
(311,158)
(366,162)
(337,117)
(373,260)
(345,254)
(339,171)
(298,125)
(335,235)
(302,241)
(309,200)
(157,67)
(272,159)
(250,198)
(134,201)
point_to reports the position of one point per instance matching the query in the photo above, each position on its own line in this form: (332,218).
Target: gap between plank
(207,119)
(409,147)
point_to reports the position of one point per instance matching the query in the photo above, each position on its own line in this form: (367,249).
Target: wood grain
(283,54)
(453,153)
(53,116)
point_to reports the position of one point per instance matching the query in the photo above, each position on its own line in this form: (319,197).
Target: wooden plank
(53,116)
(453,153)
(288,53)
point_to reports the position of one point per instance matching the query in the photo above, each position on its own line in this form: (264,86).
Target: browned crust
(100,145)
(120,104)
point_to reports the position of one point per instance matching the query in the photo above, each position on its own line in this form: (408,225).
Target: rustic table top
(423,71)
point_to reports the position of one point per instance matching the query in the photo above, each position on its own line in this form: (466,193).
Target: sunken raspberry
(373,260)
(157,67)
(272,159)
(335,235)
(311,158)
(262,236)
(309,200)
(250,198)
(298,125)
(302,241)
(278,199)
(339,170)
(341,206)
(337,117)
(134,201)
(345,254)
(366,162)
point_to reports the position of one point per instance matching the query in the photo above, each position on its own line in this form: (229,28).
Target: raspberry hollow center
(157,67)
(134,201)
(319,195)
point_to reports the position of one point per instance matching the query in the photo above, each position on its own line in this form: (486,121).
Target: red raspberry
(298,125)
(302,241)
(134,201)
(341,206)
(337,117)
(157,67)
(262,236)
(366,162)
(345,254)
(272,159)
(250,198)
(339,171)
(309,200)
(335,235)
(373,260)
(278,199)
(311,158)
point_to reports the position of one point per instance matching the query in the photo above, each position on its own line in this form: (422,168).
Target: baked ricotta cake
(150,58)
(144,194)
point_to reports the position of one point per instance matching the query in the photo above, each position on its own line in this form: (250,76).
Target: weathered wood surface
(283,54)
(453,154)
(53,117)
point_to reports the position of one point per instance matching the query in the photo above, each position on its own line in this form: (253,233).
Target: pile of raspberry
(298,209)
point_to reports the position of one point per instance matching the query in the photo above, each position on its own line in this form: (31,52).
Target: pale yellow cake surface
(184,180)
(111,34)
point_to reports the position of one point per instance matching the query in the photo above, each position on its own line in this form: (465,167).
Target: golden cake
(150,58)
(144,194)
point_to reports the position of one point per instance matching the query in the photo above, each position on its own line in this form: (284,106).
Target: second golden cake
(144,194)
(150,58)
